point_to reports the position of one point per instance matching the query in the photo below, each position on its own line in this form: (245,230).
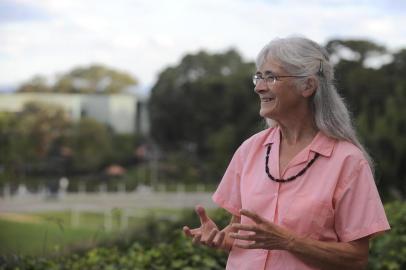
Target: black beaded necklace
(292,177)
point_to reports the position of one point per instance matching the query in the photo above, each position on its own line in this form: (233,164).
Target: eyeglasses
(271,78)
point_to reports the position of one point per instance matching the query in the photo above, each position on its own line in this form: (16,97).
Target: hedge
(160,245)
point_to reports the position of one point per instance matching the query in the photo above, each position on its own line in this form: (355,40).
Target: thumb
(201,212)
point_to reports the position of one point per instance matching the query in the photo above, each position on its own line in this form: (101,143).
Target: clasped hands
(261,234)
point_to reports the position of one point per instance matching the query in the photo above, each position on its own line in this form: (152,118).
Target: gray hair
(304,57)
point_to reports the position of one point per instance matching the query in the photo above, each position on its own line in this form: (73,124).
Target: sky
(143,37)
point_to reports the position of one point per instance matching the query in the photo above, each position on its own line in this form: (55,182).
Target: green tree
(377,98)
(35,132)
(35,84)
(91,145)
(39,125)
(95,79)
(198,98)
(386,134)
(7,121)
(361,86)
(205,105)
(29,138)
(361,49)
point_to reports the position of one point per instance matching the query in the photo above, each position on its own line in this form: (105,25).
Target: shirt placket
(274,167)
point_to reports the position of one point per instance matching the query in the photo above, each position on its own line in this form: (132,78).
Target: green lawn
(43,238)
(53,231)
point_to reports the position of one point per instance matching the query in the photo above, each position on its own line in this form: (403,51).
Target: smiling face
(282,98)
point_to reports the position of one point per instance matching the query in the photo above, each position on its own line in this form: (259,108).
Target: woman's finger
(209,240)
(186,231)
(190,232)
(247,237)
(254,216)
(245,227)
(201,212)
(196,239)
(218,240)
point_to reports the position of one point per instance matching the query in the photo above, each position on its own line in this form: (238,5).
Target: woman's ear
(310,87)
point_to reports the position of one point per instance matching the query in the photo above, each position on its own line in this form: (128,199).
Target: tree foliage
(39,125)
(29,137)
(42,140)
(205,105)
(361,49)
(202,108)
(93,79)
(377,97)
(35,84)
(196,102)
(91,145)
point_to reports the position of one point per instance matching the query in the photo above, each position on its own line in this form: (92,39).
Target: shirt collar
(272,137)
(321,143)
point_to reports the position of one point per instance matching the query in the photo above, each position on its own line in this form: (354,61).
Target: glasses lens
(255,79)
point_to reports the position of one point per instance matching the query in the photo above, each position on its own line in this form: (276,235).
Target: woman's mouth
(266,99)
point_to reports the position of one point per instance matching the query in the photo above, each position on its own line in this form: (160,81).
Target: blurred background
(118,117)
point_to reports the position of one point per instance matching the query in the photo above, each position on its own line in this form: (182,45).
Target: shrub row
(159,244)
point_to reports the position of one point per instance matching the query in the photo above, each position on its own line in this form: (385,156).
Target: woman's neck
(299,131)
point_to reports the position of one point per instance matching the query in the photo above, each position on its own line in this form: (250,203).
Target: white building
(124,113)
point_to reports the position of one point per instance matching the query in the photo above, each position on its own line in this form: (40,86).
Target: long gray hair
(304,57)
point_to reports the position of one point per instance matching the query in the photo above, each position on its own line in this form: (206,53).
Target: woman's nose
(261,86)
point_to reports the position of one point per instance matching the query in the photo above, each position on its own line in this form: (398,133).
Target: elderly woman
(301,193)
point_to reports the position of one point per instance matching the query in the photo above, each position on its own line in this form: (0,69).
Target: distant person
(52,189)
(301,193)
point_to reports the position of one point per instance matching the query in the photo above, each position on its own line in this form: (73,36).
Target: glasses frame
(271,78)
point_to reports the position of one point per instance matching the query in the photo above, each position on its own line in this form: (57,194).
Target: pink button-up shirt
(335,200)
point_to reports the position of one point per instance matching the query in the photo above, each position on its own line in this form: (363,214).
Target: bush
(159,244)
(180,254)
(388,252)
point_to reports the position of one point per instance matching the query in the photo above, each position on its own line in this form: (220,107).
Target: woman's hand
(208,233)
(261,235)
(324,255)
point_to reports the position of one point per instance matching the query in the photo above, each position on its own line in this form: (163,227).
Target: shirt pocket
(308,217)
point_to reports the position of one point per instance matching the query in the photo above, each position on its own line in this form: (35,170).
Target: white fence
(130,204)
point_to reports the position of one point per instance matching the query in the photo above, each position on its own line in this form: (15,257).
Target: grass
(86,220)
(43,238)
(52,232)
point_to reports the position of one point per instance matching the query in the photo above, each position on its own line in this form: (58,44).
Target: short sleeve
(358,208)
(228,193)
